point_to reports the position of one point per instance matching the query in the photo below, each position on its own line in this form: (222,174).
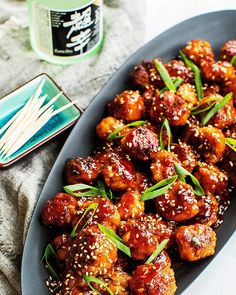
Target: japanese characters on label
(75,32)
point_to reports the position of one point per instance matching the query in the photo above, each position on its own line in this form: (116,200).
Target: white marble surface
(219,277)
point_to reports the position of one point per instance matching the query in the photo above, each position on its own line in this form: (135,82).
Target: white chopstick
(28,121)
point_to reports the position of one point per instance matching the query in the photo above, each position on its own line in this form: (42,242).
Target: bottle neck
(62,4)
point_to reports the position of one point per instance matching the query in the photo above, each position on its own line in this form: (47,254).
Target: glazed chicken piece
(211,90)
(163,165)
(117,170)
(178,203)
(178,69)
(188,93)
(84,170)
(147,76)
(208,210)
(73,283)
(145,233)
(170,106)
(229,165)
(161,228)
(186,155)
(228,50)
(198,51)
(107,126)
(130,205)
(92,252)
(140,75)
(59,210)
(211,178)
(220,71)
(128,106)
(157,129)
(195,242)
(163,259)
(61,245)
(225,115)
(116,280)
(139,238)
(141,182)
(153,279)
(141,143)
(208,141)
(105,214)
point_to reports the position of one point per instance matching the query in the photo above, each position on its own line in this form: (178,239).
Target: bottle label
(68,33)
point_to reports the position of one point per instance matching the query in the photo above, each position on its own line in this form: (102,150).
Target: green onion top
(216,108)
(233,60)
(159,188)
(164,75)
(120,244)
(182,173)
(177,82)
(48,255)
(92,207)
(115,134)
(231,142)
(158,250)
(197,109)
(197,74)
(165,125)
(91,279)
(90,191)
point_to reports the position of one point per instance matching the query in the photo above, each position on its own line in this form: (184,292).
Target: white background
(220,276)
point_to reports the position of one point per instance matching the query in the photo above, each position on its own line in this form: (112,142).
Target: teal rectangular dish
(14,101)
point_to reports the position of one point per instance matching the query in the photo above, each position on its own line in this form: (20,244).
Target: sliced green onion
(182,173)
(91,279)
(48,254)
(197,74)
(177,82)
(90,207)
(213,98)
(216,108)
(197,112)
(164,75)
(136,123)
(233,60)
(158,189)
(120,244)
(231,142)
(90,190)
(105,192)
(115,134)
(110,194)
(102,189)
(157,251)
(165,125)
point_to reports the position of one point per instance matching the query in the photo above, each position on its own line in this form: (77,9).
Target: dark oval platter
(216,27)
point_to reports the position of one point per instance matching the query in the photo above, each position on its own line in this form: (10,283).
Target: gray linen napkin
(21,183)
